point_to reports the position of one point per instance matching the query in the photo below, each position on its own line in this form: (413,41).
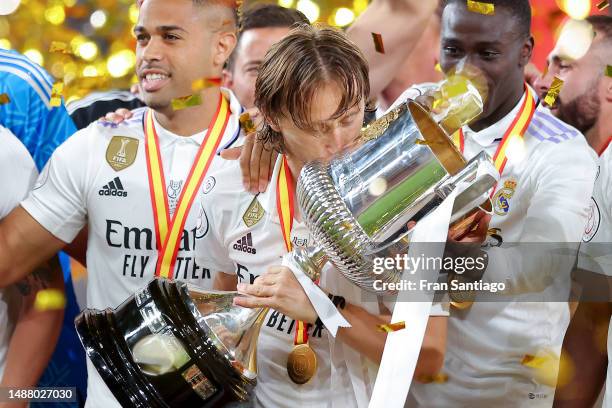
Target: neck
(599,135)
(504,109)
(189,121)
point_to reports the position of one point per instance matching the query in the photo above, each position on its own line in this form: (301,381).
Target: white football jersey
(17,175)
(542,196)
(98,178)
(596,248)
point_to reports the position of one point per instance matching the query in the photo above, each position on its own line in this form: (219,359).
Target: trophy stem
(310,260)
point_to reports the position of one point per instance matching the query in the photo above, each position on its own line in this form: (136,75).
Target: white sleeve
(557,214)
(17,171)
(58,200)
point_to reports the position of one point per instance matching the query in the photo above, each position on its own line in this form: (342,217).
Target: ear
(226,43)
(227,79)
(526,51)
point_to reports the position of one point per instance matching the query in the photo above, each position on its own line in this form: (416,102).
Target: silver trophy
(358,206)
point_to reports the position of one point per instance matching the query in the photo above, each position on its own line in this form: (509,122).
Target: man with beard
(585,101)
(542,196)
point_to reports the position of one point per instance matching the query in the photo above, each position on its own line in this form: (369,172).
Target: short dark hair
(602,25)
(310,56)
(265,16)
(520,10)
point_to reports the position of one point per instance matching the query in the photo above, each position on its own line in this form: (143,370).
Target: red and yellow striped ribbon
(286,209)
(517,129)
(169,231)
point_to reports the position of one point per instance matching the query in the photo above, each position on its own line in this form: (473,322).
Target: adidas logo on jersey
(245,244)
(114,188)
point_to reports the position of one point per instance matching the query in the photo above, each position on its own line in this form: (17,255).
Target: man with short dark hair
(260,27)
(133,184)
(545,184)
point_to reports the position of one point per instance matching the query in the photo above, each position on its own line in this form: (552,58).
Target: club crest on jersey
(253,214)
(501,199)
(209,184)
(121,152)
(593,220)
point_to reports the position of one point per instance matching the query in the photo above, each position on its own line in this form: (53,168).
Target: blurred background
(96,42)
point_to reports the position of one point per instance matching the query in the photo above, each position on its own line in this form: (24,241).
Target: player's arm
(554,223)
(24,244)
(585,346)
(279,289)
(400,23)
(37,328)
(364,337)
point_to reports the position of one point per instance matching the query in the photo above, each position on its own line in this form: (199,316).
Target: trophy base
(197,375)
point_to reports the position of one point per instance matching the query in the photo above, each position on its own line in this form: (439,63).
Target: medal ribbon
(168,232)
(517,129)
(286,209)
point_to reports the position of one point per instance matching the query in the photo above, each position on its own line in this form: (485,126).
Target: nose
(152,51)
(338,141)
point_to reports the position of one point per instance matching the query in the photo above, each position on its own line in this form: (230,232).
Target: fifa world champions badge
(501,200)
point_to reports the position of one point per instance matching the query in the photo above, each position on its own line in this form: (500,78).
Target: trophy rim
(437,140)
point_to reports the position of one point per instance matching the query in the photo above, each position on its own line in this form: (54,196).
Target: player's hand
(256,160)
(278,289)
(475,232)
(117,116)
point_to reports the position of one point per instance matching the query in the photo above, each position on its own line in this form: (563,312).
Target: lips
(153,80)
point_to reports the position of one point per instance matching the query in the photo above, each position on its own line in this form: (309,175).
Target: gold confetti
(439,378)
(56,94)
(609,70)
(603,5)
(378,43)
(545,71)
(392,327)
(186,101)
(553,91)
(49,299)
(438,67)
(247,123)
(58,46)
(549,368)
(4,99)
(200,84)
(480,7)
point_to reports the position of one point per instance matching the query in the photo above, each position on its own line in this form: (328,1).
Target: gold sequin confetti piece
(392,327)
(487,9)
(603,5)
(609,70)
(186,101)
(553,91)
(378,43)
(438,67)
(439,378)
(545,71)
(200,84)
(60,47)
(56,94)
(4,99)
(49,299)
(247,123)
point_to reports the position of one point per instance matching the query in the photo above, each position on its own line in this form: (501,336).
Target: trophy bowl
(359,205)
(173,344)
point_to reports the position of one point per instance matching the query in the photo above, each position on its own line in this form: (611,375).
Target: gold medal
(301,364)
